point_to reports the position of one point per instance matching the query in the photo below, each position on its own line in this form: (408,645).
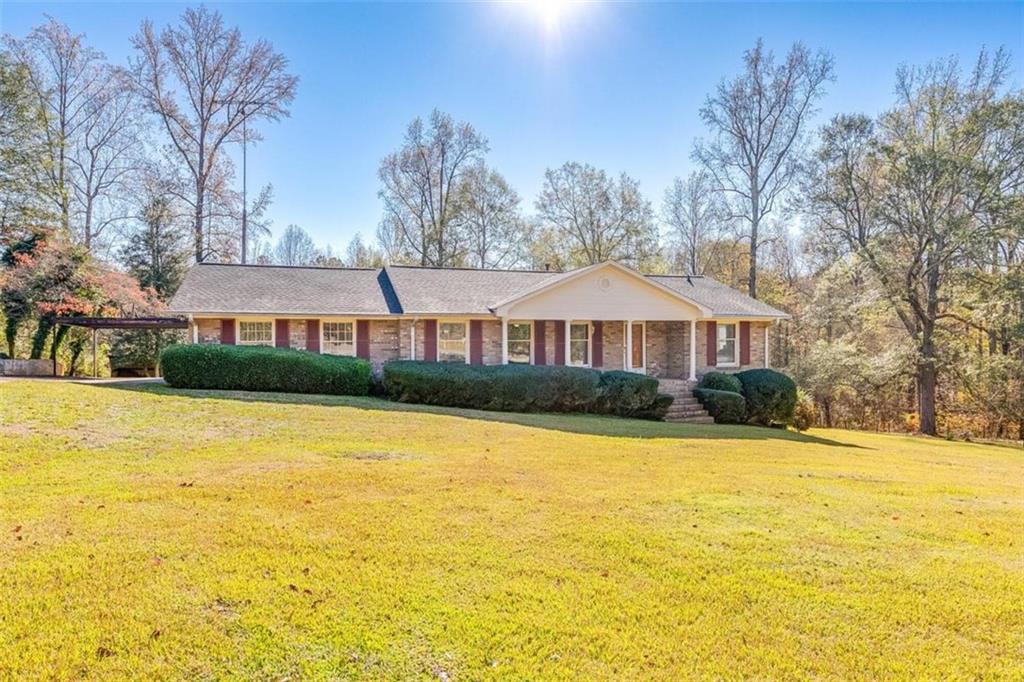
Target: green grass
(149,533)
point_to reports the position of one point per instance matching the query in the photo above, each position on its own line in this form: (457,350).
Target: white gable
(605,292)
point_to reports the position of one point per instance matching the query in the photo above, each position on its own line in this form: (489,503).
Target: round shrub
(805,415)
(259,368)
(720,381)
(771,396)
(626,393)
(727,407)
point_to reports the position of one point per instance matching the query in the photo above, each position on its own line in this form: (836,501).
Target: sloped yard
(152,533)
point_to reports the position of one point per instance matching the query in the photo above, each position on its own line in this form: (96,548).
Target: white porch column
(568,346)
(693,350)
(766,345)
(195,329)
(628,364)
(412,341)
(504,340)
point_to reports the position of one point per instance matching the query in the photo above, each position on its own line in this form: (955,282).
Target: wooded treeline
(895,239)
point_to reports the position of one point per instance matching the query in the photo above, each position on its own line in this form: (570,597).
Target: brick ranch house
(605,316)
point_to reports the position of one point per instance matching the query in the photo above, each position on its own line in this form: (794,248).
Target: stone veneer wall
(209,331)
(297,334)
(612,333)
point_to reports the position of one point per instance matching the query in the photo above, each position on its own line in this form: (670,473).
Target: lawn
(154,533)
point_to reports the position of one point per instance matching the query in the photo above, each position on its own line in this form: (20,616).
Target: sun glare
(551,13)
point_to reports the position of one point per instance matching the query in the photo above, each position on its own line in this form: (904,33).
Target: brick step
(686,413)
(706,419)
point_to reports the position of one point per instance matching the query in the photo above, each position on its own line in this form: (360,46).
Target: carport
(98,323)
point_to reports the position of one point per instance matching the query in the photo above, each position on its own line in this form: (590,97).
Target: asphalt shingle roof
(260,289)
(459,291)
(723,300)
(268,289)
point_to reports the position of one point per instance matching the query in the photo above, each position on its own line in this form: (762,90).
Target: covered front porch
(659,348)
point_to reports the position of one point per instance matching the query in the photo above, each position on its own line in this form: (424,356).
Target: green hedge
(727,407)
(524,388)
(258,368)
(720,381)
(771,396)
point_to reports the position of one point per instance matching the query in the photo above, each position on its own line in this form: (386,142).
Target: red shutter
(712,355)
(363,339)
(313,336)
(281,333)
(476,342)
(744,343)
(559,342)
(597,343)
(430,340)
(227,332)
(540,342)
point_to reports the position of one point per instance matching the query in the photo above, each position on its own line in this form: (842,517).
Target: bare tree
(496,233)
(295,247)
(597,217)
(223,83)
(420,183)
(758,121)
(106,159)
(697,218)
(91,125)
(360,255)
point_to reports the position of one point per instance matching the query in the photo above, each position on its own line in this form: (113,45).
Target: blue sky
(615,85)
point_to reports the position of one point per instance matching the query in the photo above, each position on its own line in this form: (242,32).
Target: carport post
(95,374)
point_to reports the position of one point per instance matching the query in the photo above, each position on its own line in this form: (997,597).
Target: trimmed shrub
(504,388)
(259,368)
(720,381)
(626,394)
(727,407)
(806,413)
(657,410)
(771,396)
(524,388)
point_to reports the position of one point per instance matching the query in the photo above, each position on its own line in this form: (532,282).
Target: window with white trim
(579,343)
(520,341)
(338,339)
(255,333)
(727,344)
(451,341)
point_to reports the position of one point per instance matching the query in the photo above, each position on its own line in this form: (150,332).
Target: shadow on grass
(588,424)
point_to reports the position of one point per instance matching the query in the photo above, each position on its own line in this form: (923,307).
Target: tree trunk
(926,380)
(198,228)
(755,224)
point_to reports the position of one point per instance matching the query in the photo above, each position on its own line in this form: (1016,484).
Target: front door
(636,359)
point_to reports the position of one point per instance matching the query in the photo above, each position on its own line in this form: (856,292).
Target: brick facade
(667,343)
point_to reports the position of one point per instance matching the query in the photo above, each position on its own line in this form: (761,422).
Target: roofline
(579,272)
(471,269)
(285,267)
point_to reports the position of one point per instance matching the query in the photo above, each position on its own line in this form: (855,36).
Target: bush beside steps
(262,368)
(525,388)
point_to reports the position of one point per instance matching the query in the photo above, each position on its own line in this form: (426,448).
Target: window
(520,340)
(451,342)
(255,333)
(337,338)
(727,344)
(579,343)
